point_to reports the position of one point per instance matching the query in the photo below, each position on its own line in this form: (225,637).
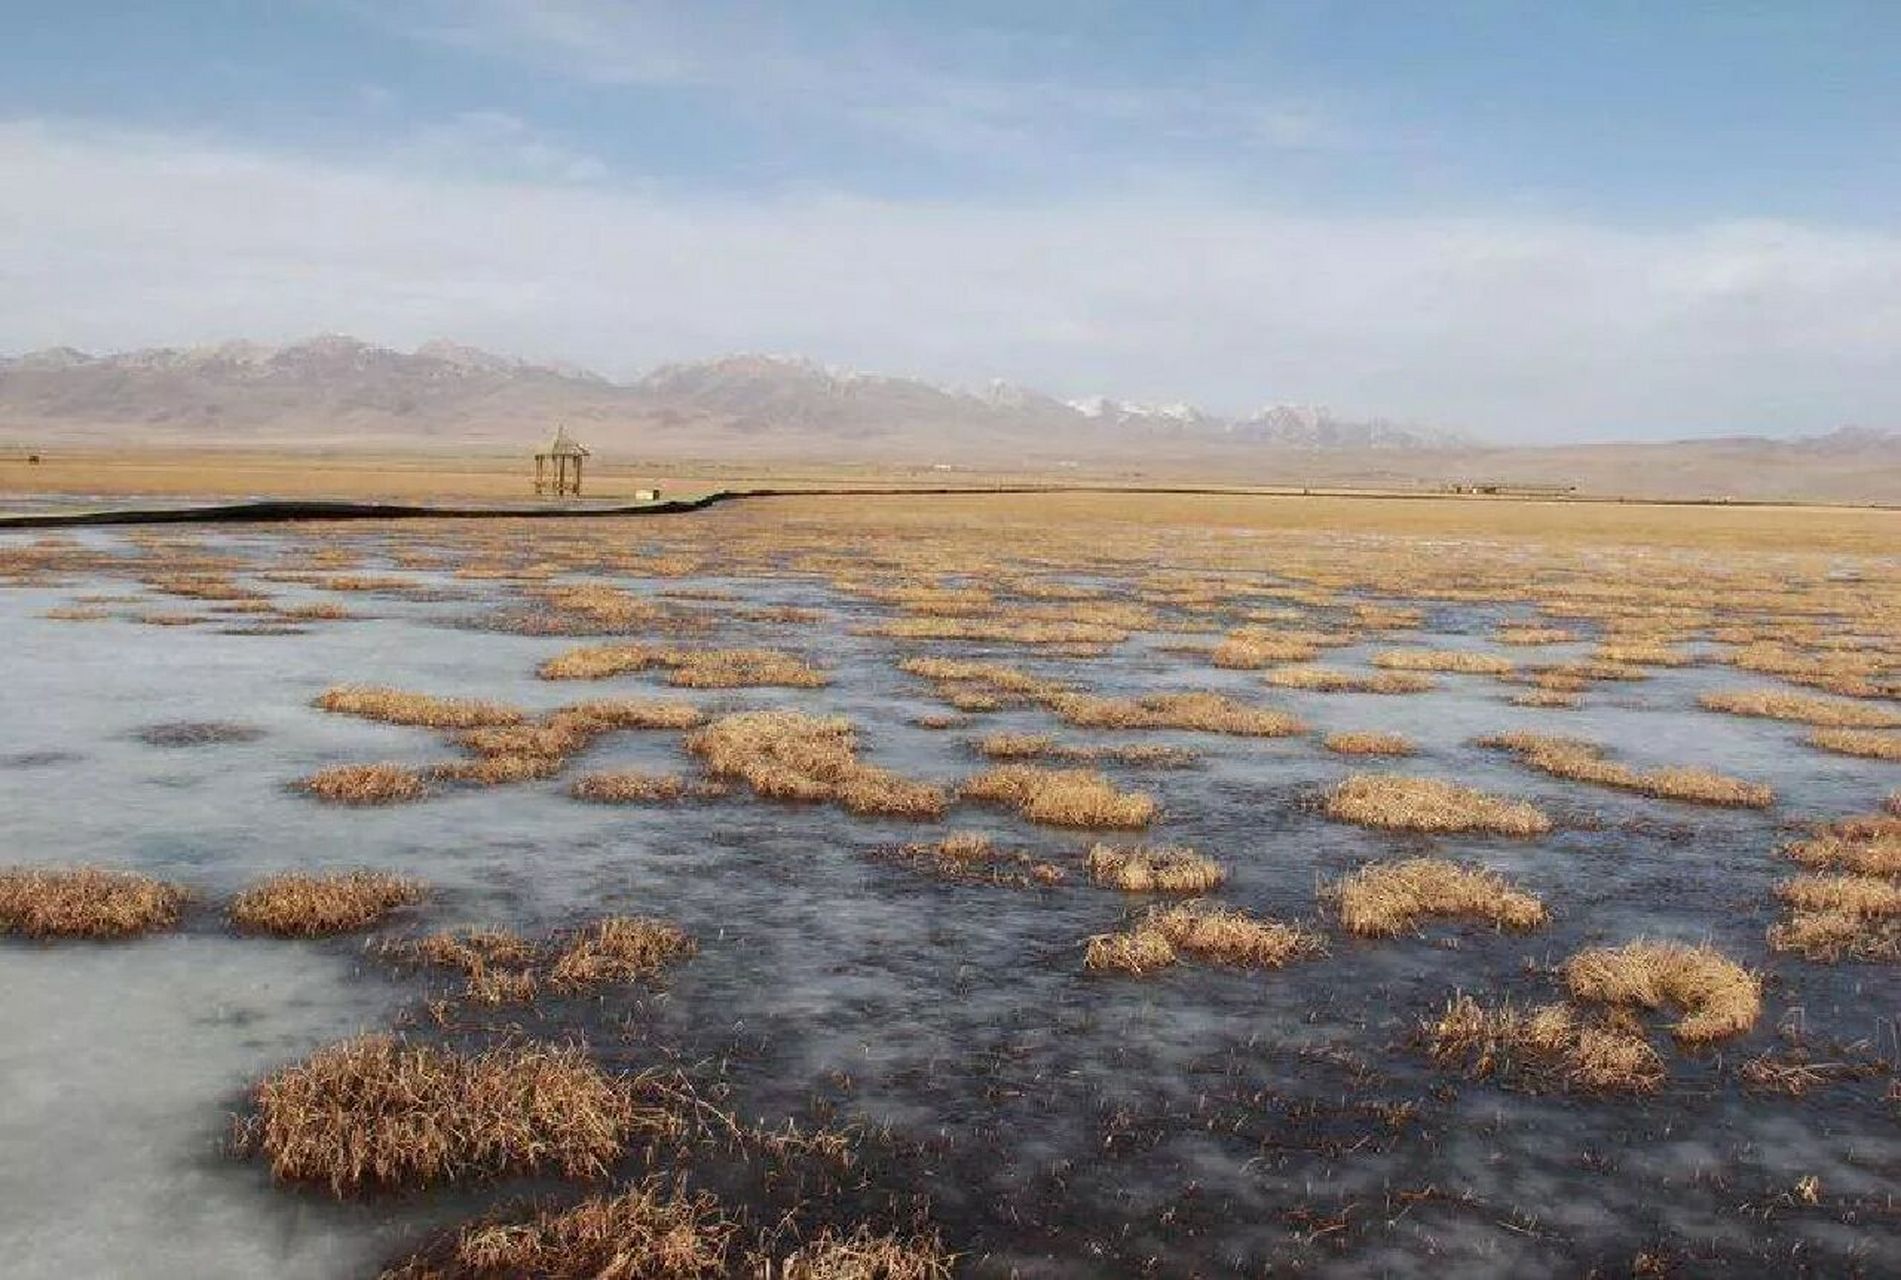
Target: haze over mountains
(338,391)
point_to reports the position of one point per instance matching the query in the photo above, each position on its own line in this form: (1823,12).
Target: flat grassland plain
(1050,885)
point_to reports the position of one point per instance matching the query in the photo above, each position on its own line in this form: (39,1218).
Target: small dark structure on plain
(558,465)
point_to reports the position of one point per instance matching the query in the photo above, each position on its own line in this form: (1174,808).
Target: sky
(1537,222)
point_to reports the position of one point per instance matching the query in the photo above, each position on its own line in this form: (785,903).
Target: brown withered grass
(1719,997)
(619,949)
(650,1231)
(1248,651)
(1532,635)
(1869,845)
(394,706)
(1393,802)
(1582,761)
(86,902)
(300,905)
(1545,1040)
(970,857)
(786,755)
(1388,898)
(1207,712)
(1554,699)
(1153,869)
(1839,916)
(380,1111)
(1062,797)
(1334,680)
(1203,931)
(1869,744)
(1775,704)
(1041,746)
(864,1254)
(1452,660)
(1368,742)
(366,784)
(687,668)
(500,964)
(629,786)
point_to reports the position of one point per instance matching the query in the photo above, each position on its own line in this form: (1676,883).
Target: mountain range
(335,391)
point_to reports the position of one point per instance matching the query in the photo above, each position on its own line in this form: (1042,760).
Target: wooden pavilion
(558,465)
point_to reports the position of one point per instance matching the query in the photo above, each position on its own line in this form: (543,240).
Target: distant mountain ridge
(251,384)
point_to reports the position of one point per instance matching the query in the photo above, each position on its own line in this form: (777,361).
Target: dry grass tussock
(1583,761)
(501,965)
(86,902)
(1252,650)
(1208,712)
(1868,845)
(785,755)
(1152,869)
(1455,660)
(969,857)
(1062,797)
(298,905)
(394,706)
(1388,898)
(1719,997)
(1367,742)
(379,1111)
(1774,704)
(688,668)
(366,784)
(1334,680)
(1532,635)
(864,1254)
(649,1231)
(619,949)
(1839,916)
(1552,699)
(1203,931)
(1869,744)
(1040,746)
(1393,802)
(1022,630)
(1642,653)
(1546,1040)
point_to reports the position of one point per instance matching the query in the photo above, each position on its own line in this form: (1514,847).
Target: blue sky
(1540,221)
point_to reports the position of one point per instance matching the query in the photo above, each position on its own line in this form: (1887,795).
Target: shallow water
(1068,1125)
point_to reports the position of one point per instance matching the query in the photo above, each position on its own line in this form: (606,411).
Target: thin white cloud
(1524,328)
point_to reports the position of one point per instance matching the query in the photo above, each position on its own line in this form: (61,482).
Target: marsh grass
(366,784)
(1718,997)
(1775,704)
(1532,635)
(394,706)
(299,905)
(1868,744)
(864,1254)
(86,902)
(1333,680)
(1839,916)
(1581,761)
(629,786)
(969,857)
(1368,742)
(1062,797)
(1388,898)
(1552,699)
(1868,845)
(619,949)
(786,755)
(1207,712)
(1461,661)
(1548,1040)
(1202,931)
(650,1231)
(1152,869)
(687,668)
(1040,746)
(380,1111)
(1394,802)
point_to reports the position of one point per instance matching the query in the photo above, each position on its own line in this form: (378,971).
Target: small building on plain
(558,465)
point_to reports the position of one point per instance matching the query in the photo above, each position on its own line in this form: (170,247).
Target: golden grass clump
(298,905)
(1553,699)
(499,963)
(394,706)
(1869,845)
(366,784)
(1250,651)
(970,857)
(1148,869)
(1333,680)
(1368,742)
(1203,931)
(646,1232)
(1463,661)
(1583,761)
(1532,635)
(1775,704)
(1208,712)
(86,902)
(380,1111)
(1719,997)
(1836,916)
(1546,1039)
(1395,802)
(1388,898)
(619,949)
(1869,744)
(786,755)
(629,786)
(1062,797)
(868,1255)
(689,668)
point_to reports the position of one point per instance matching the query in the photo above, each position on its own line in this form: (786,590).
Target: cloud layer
(1525,328)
